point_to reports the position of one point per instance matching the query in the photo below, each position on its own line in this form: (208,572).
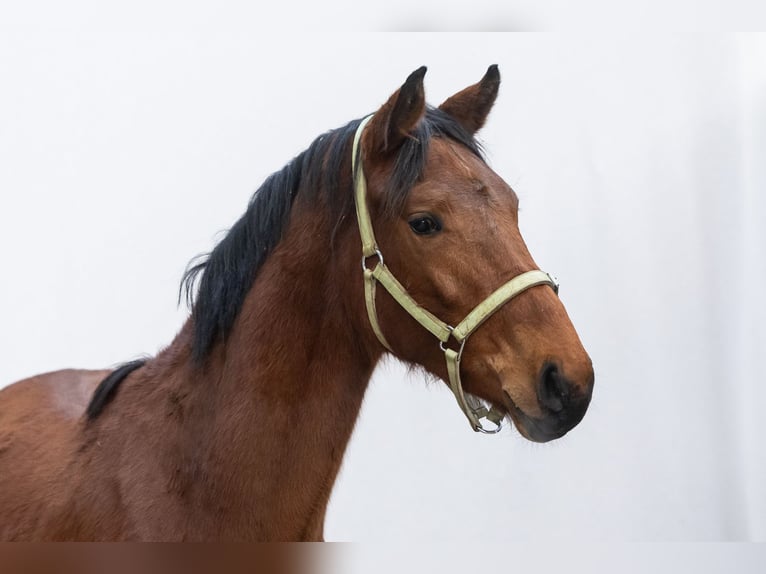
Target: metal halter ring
(481,429)
(366,257)
(441,343)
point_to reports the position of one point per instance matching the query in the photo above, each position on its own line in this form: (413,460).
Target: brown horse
(236,431)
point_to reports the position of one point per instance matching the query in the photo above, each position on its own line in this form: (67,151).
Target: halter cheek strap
(377,272)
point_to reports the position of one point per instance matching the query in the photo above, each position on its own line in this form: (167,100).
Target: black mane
(227,273)
(107,388)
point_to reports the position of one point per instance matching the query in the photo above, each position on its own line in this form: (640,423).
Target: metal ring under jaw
(478,426)
(481,429)
(377,254)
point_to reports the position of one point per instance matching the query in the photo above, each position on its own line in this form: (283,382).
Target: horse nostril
(553,388)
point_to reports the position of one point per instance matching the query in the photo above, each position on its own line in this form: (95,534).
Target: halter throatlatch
(375,271)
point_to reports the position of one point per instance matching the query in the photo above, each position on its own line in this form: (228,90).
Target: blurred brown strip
(165,558)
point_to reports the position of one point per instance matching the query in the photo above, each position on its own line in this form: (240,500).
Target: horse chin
(531,428)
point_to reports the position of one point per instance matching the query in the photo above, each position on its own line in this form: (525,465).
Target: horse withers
(237,429)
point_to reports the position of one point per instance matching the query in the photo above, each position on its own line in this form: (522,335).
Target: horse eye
(425,225)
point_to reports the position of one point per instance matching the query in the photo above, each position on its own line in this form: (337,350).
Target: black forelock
(411,157)
(227,273)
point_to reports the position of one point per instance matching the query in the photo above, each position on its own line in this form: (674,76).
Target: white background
(128,140)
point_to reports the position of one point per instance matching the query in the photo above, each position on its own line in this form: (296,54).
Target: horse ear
(394,121)
(470,107)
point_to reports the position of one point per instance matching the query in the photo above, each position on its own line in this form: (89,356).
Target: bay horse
(236,430)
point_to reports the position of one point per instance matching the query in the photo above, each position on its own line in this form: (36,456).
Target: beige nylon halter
(474,410)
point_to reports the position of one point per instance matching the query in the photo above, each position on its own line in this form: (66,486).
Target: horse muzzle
(562,403)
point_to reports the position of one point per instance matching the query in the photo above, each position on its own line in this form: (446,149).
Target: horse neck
(277,402)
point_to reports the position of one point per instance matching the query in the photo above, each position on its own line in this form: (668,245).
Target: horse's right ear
(395,119)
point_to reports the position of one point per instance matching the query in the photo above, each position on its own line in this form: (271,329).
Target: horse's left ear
(470,107)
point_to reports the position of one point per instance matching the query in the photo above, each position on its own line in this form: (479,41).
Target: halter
(471,406)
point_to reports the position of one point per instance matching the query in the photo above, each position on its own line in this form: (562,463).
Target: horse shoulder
(39,441)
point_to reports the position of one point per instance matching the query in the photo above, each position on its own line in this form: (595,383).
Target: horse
(237,429)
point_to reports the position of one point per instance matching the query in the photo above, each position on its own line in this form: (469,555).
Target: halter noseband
(474,410)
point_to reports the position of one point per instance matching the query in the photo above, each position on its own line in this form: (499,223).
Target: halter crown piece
(473,409)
